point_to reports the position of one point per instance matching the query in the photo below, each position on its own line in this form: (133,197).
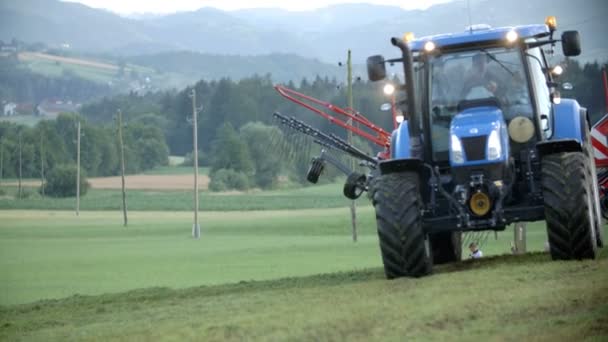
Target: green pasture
(322,196)
(91,72)
(176,170)
(50,254)
(27,120)
(510,298)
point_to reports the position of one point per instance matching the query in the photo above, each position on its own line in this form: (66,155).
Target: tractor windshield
(462,76)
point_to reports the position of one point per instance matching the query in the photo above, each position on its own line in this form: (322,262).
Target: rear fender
(556,146)
(401,165)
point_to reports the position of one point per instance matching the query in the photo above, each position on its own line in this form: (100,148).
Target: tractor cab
(501,69)
(480,73)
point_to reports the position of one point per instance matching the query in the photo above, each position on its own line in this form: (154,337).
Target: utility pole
(349,94)
(196,229)
(1,160)
(78,168)
(20,166)
(122,168)
(605,79)
(519,238)
(42,161)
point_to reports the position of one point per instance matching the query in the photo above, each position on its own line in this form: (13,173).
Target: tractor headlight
(494,146)
(456,146)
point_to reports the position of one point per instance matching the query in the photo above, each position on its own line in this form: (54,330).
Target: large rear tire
(404,245)
(569,210)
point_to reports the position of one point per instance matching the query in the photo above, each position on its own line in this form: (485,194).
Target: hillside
(282,67)
(324,33)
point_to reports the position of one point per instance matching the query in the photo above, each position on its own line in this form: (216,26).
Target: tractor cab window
(539,83)
(494,74)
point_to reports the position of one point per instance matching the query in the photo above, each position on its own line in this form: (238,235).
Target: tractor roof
(479,34)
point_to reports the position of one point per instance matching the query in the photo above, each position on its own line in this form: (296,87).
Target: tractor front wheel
(569,209)
(404,245)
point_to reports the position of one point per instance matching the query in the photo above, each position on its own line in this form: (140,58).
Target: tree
(260,139)
(61,182)
(229,151)
(224,179)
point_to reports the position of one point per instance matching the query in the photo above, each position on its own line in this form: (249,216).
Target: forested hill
(281,67)
(254,99)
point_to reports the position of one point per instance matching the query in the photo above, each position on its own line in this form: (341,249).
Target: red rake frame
(379,136)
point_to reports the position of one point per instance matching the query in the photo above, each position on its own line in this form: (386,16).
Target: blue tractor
(486,142)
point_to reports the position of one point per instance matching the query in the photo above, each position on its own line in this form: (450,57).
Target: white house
(9,109)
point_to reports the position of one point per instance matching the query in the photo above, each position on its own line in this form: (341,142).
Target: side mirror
(571,43)
(376,69)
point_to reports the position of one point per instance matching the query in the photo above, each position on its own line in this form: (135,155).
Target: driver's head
(438,65)
(479,62)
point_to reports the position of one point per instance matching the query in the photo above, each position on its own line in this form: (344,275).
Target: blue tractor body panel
(479,36)
(568,123)
(400,145)
(480,122)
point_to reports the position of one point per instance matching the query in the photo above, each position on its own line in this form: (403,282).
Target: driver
(479,76)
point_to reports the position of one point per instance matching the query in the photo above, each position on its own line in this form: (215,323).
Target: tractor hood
(478,136)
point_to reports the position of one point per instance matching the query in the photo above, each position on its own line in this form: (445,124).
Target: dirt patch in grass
(137,182)
(151,182)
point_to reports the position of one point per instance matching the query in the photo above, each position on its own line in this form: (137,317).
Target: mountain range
(324,34)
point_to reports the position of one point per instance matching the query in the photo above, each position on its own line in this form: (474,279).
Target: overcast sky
(171,6)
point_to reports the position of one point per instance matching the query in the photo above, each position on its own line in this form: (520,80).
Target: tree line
(237,136)
(52,143)
(236,102)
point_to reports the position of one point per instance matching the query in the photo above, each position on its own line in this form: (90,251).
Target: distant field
(320,196)
(29,56)
(55,66)
(96,70)
(156,180)
(176,170)
(151,182)
(55,254)
(27,120)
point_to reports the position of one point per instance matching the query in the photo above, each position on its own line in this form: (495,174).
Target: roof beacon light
(551,21)
(512,36)
(429,46)
(408,37)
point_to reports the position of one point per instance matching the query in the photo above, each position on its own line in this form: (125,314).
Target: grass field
(96,71)
(290,274)
(50,255)
(55,254)
(321,196)
(27,120)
